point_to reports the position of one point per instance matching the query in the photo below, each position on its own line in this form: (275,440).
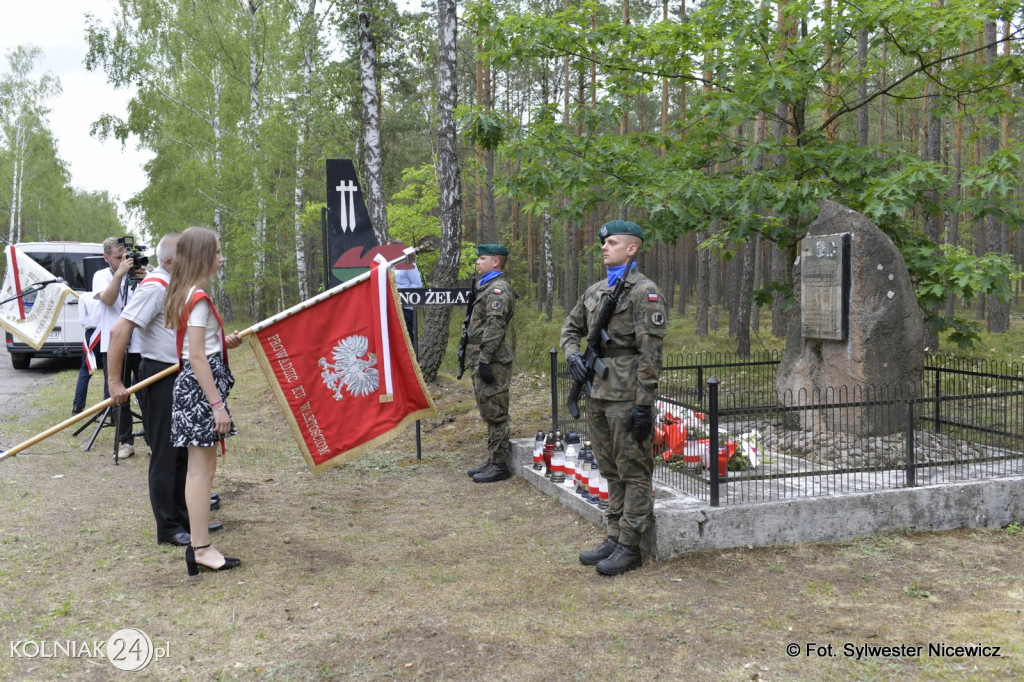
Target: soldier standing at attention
(489,353)
(620,412)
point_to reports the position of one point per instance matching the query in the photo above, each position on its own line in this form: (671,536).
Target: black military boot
(493,473)
(477,469)
(602,551)
(624,558)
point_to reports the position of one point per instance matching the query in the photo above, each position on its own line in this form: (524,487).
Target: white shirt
(107,314)
(202,316)
(146,309)
(88,309)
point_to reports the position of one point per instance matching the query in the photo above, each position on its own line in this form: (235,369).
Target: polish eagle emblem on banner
(353,368)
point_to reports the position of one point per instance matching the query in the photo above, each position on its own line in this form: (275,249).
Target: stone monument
(856,333)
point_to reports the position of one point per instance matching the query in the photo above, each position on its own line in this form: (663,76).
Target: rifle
(464,339)
(595,340)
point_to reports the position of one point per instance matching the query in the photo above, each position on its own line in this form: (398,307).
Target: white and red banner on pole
(32,311)
(343,370)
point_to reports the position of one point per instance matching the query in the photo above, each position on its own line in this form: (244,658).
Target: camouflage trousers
(492,401)
(627,465)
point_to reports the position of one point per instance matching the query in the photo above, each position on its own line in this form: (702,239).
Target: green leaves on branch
(943,271)
(483,128)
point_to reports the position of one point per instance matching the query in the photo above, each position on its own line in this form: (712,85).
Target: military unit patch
(657,319)
(496,305)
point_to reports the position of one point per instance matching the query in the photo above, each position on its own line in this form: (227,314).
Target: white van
(67,260)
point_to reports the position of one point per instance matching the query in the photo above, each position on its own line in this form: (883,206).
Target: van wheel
(20,360)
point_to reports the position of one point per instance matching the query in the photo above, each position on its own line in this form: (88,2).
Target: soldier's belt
(619,352)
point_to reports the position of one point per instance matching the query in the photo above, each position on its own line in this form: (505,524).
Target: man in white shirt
(143,320)
(408,278)
(112,289)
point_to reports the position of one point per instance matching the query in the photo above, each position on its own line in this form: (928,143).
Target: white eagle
(352,369)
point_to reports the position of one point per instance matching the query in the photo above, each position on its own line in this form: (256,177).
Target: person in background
(489,353)
(112,293)
(408,278)
(200,420)
(620,408)
(87,313)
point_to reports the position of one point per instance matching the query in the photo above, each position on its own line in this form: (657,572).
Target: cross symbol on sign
(348,191)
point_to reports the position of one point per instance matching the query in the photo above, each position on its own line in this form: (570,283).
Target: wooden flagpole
(88,412)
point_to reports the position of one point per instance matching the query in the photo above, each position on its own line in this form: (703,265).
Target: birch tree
(22,115)
(435,336)
(371,126)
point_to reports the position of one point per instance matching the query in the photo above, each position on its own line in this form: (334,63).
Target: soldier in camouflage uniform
(489,355)
(620,412)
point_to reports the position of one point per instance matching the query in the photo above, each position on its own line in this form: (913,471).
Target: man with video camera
(113,287)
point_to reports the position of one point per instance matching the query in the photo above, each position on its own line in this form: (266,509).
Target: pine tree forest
(719,126)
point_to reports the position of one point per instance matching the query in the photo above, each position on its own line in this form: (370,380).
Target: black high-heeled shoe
(193,565)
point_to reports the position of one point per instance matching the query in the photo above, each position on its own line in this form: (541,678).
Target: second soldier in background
(489,354)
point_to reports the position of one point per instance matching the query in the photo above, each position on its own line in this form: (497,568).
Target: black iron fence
(727,435)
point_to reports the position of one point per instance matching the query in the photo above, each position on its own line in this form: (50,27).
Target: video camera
(134,251)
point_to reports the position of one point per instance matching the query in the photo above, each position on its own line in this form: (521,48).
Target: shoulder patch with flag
(30,311)
(344,373)
(653,296)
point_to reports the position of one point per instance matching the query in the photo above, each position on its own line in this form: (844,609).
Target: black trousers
(167,464)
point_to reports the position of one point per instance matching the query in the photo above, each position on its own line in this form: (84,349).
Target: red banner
(344,372)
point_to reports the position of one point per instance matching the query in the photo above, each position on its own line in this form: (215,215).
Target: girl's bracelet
(219,402)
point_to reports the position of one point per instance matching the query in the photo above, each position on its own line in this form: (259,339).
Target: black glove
(641,422)
(577,367)
(485,372)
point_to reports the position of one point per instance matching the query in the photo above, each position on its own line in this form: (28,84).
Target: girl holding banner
(200,418)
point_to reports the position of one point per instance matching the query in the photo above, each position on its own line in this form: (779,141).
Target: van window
(49,261)
(74,270)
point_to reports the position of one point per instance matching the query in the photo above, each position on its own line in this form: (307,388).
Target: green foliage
(707,173)
(413,214)
(486,129)
(942,271)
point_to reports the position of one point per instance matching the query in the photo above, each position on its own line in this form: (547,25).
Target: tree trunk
(256,304)
(549,265)
(862,87)
(998,235)
(372,160)
(703,285)
(309,37)
(434,340)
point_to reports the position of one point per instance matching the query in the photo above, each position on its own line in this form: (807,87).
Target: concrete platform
(686,524)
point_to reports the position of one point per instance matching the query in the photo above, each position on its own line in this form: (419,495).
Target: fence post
(554,389)
(938,397)
(713,438)
(911,469)
(700,385)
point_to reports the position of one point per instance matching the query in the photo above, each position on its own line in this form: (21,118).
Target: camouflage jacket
(637,330)
(492,312)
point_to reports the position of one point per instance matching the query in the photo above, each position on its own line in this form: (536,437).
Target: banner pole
(88,412)
(323,296)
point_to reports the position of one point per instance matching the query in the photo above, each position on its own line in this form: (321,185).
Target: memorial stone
(857,332)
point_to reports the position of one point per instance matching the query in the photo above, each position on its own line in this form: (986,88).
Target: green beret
(491,250)
(620,227)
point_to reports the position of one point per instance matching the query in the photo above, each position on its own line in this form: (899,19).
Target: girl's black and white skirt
(191,414)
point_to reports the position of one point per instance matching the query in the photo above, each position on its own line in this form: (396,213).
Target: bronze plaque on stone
(825,286)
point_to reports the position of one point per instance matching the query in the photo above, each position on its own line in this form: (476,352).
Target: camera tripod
(129,370)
